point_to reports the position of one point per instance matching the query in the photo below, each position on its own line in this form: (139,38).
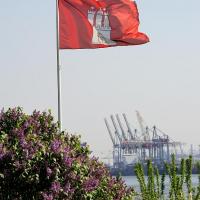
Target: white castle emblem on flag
(99,19)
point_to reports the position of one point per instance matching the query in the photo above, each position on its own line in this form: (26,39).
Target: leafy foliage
(180,181)
(39,162)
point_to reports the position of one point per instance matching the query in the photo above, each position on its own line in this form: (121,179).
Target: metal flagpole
(58,69)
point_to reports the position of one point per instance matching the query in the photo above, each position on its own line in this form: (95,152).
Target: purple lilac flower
(49,171)
(98,171)
(32,150)
(68,161)
(23,142)
(19,132)
(91,184)
(47,196)
(36,114)
(1,155)
(55,146)
(14,114)
(66,150)
(26,125)
(55,187)
(40,145)
(72,175)
(68,188)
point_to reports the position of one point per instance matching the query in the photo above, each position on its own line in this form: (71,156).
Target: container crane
(109,131)
(121,127)
(116,129)
(133,137)
(143,127)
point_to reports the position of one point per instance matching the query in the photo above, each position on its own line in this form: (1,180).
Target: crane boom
(128,126)
(116,129)
(109,131)
(121,127)
(143,128)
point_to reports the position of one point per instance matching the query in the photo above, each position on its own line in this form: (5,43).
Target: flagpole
(58,69)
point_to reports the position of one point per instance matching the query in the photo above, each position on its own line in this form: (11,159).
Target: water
(132,181)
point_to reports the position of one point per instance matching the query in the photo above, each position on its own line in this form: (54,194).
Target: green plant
(39,162)
(141,180)
(154,187)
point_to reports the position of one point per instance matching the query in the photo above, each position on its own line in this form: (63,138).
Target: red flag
(85,24)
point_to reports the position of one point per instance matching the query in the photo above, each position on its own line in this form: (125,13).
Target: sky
(160,79)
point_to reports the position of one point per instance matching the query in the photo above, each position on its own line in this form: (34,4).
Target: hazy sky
(160,79)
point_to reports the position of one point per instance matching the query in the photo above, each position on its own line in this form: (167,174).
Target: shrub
(180,181)
(39,162)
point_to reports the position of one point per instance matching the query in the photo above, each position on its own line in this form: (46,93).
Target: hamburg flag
(85,24)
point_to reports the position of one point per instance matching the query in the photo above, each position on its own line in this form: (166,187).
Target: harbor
(131,146)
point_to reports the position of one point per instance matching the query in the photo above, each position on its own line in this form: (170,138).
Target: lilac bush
(39,162)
